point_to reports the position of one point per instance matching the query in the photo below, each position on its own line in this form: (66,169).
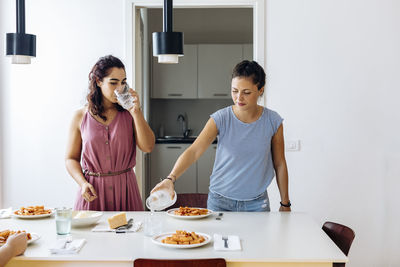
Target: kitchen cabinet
(176,80)
(162,160)
(215,65)
(196,179)
(204,72)
(205,166)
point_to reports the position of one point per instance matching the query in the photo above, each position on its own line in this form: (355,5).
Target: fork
(225,241)
(68,240)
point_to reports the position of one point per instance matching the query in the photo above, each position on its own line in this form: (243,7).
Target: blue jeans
(216,202)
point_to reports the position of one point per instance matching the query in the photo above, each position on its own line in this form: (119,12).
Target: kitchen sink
(176,139)
(168,139)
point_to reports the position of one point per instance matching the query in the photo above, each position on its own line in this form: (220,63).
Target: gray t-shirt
(243,167)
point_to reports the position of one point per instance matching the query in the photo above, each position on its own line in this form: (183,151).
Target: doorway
(139,24)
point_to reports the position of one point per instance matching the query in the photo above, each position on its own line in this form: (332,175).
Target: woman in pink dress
(102,143)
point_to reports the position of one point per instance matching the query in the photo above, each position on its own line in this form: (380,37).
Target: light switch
(292,145)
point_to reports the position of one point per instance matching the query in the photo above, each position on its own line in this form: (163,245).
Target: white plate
(157,240)
(34,238)
(171,213)
(32,216)
(92,217)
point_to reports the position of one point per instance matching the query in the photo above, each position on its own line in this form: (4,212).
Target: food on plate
(6,233)
(117,220)
(82,214)
(186,211)
(183,238)
(32,210)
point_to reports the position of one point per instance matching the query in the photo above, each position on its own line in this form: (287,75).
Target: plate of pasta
(189,213)
(181,239)
(32,212)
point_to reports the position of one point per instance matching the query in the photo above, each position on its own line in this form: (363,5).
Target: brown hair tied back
(101,69)
(252,70)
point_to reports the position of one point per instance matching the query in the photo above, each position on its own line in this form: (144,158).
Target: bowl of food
(160,200)
(82,218)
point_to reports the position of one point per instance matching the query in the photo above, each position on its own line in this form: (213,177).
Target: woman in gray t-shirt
(250,151)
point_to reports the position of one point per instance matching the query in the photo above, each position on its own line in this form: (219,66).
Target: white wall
(332,69)
(38,100)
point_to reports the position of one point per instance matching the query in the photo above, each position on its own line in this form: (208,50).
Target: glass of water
(153,224)
(63,220)
(124,96)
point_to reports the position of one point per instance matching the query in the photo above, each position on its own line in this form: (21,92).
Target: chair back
(196,200)
(341,235)
(218,262)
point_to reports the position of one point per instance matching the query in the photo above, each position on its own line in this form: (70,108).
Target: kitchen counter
(178,140)
(267,239)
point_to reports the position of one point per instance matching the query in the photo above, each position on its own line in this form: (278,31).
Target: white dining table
(267,239)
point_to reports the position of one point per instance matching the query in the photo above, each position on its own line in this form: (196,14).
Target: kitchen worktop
(178,140)
(267,238)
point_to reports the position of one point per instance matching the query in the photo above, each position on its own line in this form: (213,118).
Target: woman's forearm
(282,179)
(183,163)
(75,170)
(145,138)
(6,253)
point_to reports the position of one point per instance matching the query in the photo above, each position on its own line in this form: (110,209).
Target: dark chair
(341,235)
(195,200)
(180,263)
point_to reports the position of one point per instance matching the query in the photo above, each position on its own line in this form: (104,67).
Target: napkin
(233,242)
(65,246)
(5,213)
(103,227)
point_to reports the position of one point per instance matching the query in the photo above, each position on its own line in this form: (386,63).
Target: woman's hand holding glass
(136,101)
(128,98)
(166,185)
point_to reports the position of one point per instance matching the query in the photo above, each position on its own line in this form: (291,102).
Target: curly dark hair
(101,69)
(250,69)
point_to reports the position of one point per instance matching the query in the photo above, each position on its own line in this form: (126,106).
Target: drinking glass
(63,220)
(153,224)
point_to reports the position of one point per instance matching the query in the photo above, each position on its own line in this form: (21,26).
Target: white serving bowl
(85,218)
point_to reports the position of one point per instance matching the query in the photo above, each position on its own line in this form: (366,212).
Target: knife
(123,228)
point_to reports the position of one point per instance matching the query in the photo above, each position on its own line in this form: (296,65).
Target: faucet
(183,122)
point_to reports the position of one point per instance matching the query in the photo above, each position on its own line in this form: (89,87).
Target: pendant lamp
(20,45)
(167,45)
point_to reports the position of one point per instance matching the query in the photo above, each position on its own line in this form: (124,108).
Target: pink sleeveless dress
(106,149)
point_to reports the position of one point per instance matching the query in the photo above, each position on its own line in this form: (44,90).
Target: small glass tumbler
(63,220)
(153,223)
(124,97)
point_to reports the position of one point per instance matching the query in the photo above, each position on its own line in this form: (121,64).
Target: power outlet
(292,145)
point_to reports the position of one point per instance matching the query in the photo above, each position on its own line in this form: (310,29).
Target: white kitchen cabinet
(248,52)
(204,169)
(176,80)
(162,160)
(196,179)
(215,65)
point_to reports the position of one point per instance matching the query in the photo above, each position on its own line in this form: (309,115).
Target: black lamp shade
(167,43)
(21,44)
